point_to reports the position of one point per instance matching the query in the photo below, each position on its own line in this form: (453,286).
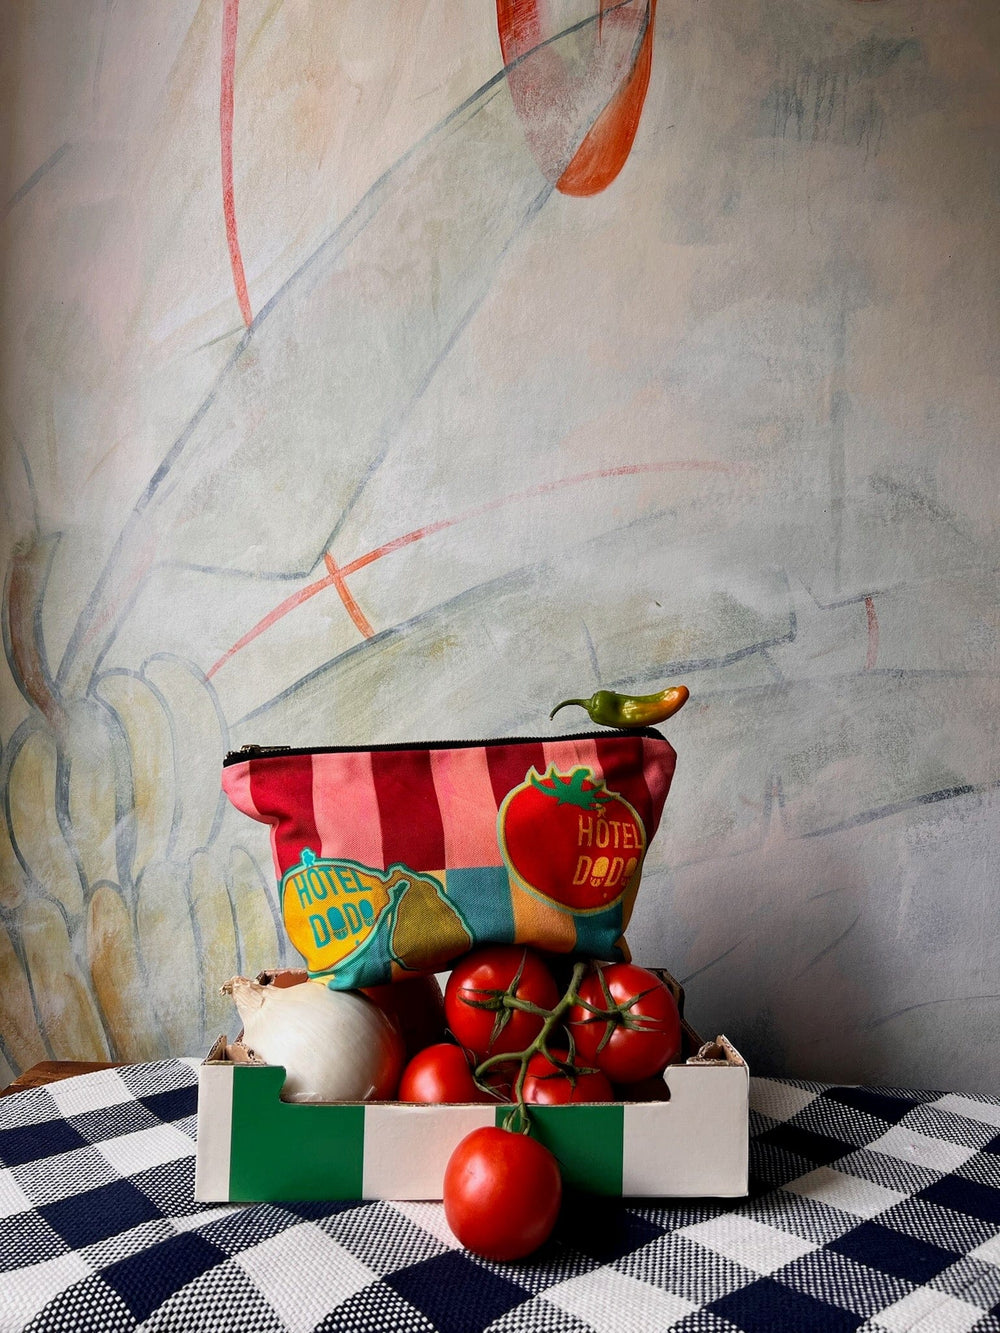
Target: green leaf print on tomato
(569,840)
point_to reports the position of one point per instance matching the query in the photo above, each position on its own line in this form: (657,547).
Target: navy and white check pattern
(870,1209)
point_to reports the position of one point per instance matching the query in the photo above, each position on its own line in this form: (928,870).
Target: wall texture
(355,389)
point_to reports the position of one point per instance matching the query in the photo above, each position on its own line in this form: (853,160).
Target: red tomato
(417,1006)
(501,1193)
(566,838)
(630,1052)
(545,1084)
(476,978)
(440,1073)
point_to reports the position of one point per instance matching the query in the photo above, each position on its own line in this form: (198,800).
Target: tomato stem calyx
(571,789)
(540,1043)
(505,1002)
(563,1059)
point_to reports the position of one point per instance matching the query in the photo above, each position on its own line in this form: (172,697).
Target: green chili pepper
(609,709)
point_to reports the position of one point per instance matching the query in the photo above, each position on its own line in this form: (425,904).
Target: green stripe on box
(291,1150)
(587,1141)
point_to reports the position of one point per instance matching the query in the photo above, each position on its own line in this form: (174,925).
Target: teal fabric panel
(482,895)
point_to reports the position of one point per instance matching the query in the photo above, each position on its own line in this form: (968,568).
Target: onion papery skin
(335,1046)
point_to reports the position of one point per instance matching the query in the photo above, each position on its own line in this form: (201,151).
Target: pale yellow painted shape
(33,822)
(22,1038)
(65,1008)
(89,750)
(151,760)
(166,939)
(198,747)
(257,934)
(217,930)
(119,983)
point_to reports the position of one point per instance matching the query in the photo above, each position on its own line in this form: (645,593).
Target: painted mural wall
(391,372)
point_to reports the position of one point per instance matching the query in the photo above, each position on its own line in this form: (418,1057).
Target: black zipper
(273,751)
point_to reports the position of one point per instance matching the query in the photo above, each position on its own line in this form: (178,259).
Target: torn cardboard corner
(714,1052)
(224,1051)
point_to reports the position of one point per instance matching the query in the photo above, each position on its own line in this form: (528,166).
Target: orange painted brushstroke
(603,153)
(353,610)
(517,27)
(337,575)
(870,612)
(22,630)
(230,21)
(600,156)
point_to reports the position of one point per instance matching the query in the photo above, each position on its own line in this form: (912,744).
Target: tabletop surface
(870,1208)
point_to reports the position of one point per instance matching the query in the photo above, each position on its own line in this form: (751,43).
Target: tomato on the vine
(480,978)
(547,1084)
(440,1073)
(640,1041)
(502,1193)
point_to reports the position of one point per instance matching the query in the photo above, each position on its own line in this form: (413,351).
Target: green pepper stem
(583,703)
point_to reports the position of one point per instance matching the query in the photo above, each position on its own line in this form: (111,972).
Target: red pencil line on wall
(600,474)
(337,575)
(870,612)
(230,19)
(272,617)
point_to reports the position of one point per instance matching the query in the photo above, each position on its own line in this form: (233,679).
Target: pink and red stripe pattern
(427,808)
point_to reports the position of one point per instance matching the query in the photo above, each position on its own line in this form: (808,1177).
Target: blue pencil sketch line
(828,949)
(38,174)
(342,236)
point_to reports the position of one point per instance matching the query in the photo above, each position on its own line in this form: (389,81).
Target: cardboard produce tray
(687,1137)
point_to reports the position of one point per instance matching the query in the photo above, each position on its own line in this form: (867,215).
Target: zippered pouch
(397,859)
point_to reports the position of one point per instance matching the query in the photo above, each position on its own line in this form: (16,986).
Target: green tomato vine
(505,1002)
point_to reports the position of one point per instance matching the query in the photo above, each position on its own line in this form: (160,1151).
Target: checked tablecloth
(870,1209)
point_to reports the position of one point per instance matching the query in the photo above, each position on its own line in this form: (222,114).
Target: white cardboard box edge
(697,1140)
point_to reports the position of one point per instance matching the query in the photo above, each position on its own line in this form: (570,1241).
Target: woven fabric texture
(872,1209)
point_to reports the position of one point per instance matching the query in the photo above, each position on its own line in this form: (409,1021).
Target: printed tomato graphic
(569,840)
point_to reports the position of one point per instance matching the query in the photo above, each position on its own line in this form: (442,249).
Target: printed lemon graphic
(331,907)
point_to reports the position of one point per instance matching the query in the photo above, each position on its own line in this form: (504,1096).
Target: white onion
(335,1046)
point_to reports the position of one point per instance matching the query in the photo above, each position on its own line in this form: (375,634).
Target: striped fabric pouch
(397,859)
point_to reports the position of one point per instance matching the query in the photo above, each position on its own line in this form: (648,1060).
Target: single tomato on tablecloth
(502,1193)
